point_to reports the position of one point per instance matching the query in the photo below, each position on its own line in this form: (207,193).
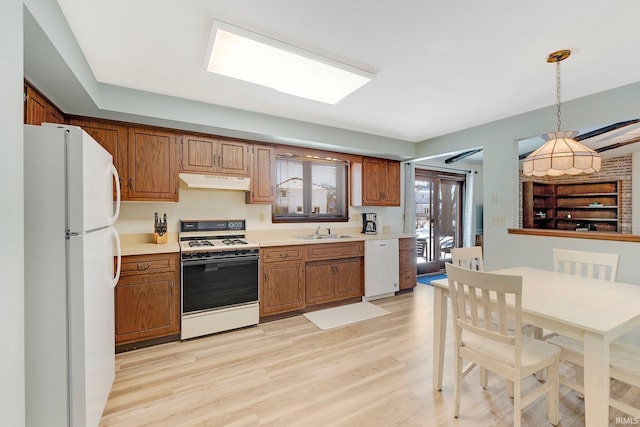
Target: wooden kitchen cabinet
(152,165)
(408,263)
(114,139)
(333,280)
(147,299)
(263,175)
(282,279)
(334,271)
(38,109)
(215,156)
(375,182)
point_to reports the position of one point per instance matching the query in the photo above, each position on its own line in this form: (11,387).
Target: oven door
(215,283)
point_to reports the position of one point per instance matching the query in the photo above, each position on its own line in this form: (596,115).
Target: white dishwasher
(381,265)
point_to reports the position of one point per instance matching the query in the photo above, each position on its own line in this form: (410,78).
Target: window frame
(309,216)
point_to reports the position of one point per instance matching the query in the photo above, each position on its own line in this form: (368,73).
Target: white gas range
(219,277)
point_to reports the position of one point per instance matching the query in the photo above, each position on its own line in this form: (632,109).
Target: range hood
(214,182)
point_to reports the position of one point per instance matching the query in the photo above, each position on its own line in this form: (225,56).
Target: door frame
(435,262)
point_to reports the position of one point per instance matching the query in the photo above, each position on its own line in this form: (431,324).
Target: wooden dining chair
(625,358)
(477,295)
(624,366)
(588,264)
(470,257)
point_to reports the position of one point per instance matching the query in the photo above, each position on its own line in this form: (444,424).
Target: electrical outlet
(498,220)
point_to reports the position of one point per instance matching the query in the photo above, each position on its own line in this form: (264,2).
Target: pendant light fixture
(561,154)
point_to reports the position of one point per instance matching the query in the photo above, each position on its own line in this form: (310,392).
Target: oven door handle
(222,262)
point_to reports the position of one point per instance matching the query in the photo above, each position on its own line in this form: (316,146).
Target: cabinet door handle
(266,276)
(121,179)
(171,288)
(141,267)
(130,183)
(284,255)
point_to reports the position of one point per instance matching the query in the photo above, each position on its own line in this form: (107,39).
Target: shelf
(573,219)
(562,199)
(586,207)
(560,196)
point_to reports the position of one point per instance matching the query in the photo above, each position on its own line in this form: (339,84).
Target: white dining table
(590,310)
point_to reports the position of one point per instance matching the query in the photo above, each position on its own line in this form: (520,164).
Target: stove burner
(199,243)
(234,242)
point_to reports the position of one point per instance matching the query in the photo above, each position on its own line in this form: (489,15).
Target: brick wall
(618,168)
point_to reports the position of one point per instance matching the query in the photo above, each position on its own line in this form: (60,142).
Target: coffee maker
(369,225)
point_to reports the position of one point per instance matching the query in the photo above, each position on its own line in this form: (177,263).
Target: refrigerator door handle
(116,236)
(114,172)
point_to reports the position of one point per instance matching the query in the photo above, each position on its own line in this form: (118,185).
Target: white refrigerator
(69,246)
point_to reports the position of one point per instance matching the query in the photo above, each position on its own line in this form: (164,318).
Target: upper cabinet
(215,156)
(263,175)
(152,165)
(114,139)
(375,182)
(38,109)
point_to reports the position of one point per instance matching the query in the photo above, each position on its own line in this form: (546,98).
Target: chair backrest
(470,258)
(589,264)
(479,304)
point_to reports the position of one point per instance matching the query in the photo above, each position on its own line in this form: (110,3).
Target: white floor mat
(345,315)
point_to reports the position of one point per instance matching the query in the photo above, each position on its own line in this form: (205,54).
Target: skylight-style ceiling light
(561,154)
(242,54)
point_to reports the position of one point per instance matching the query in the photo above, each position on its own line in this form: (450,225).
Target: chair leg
(537,334)
(553,395)
(483,378)
(457,387)
(579,378)
(516,387)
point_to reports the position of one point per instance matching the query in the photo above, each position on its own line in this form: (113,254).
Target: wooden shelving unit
(590,206)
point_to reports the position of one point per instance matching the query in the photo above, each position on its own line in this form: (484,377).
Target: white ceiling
(441,65)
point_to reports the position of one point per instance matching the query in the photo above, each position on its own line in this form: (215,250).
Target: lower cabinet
(333,280)
(408,263)
(293,277)
(147,298)
(282,279)
(282,287)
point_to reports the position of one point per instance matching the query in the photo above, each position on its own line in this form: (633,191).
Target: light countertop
(142,243)
(267,238)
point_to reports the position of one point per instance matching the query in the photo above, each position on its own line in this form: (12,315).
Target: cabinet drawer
(408,243)
(335,250)
(281,253)
(407,259)
(148,264)
(408,277)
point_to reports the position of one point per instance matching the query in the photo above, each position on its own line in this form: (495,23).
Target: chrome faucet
(318,231)
(328,230)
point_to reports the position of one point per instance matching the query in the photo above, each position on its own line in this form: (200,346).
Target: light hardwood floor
(290,373)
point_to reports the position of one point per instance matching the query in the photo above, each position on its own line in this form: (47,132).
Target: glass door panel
(438,204)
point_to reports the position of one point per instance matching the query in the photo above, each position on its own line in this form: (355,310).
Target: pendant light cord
(558,92)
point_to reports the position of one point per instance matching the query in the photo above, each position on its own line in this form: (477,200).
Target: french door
(438,206)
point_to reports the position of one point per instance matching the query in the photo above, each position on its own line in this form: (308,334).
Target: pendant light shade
(561,154)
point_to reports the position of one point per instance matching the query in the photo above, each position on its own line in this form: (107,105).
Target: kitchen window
(310,189)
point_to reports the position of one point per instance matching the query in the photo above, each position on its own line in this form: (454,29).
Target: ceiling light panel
(242,54)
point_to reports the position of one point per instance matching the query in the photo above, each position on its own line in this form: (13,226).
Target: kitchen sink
(324,236)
